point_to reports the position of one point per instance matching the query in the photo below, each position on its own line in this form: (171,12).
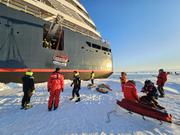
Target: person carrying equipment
(28,89)
(130,91)
(55,87)
(77,86)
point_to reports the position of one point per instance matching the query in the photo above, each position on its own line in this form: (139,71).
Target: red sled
(145,110)
(102,90)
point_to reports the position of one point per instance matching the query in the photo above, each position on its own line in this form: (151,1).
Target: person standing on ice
(123,78)
(77,86)
(92,77)
(55,87)
(28,89)
(130,91)
(161,79)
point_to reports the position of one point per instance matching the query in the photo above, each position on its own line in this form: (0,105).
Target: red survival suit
(130,91)
(55,86)
(161,79)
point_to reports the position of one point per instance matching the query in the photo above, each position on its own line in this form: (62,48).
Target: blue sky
(144,34)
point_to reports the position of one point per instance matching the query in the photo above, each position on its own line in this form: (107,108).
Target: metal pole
(25,8)
(40,15)
(8,3)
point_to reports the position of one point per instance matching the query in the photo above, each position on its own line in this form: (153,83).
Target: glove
(143,90)
(33,91)
(30,93)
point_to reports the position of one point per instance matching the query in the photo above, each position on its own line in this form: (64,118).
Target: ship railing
(79,8)
(20,6)
(79,29)
(105,41)
(36,12)
(65,10)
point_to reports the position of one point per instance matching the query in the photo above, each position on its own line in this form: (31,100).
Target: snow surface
(88,116)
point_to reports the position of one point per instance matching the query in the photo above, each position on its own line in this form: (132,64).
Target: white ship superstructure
(74,15)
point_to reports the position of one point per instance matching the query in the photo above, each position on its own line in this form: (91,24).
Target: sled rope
(115,113)
(108,115)
(176,121)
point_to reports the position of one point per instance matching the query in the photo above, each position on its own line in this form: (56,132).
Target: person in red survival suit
(55,87)
(130,91)
(161,79)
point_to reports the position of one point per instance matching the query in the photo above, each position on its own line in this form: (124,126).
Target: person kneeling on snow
(130,91)
(55,87)
(151,95)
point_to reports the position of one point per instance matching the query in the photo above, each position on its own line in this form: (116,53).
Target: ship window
(88,43)
(96,46)
(96,50)
(82,47)
(105,49)
(104,52)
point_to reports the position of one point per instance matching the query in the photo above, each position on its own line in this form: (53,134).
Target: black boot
(71,98)
(78,100)
(49,109)
(22,107)
(55,108)
(161,96)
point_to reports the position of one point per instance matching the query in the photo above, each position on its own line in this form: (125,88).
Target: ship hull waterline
(43,74)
